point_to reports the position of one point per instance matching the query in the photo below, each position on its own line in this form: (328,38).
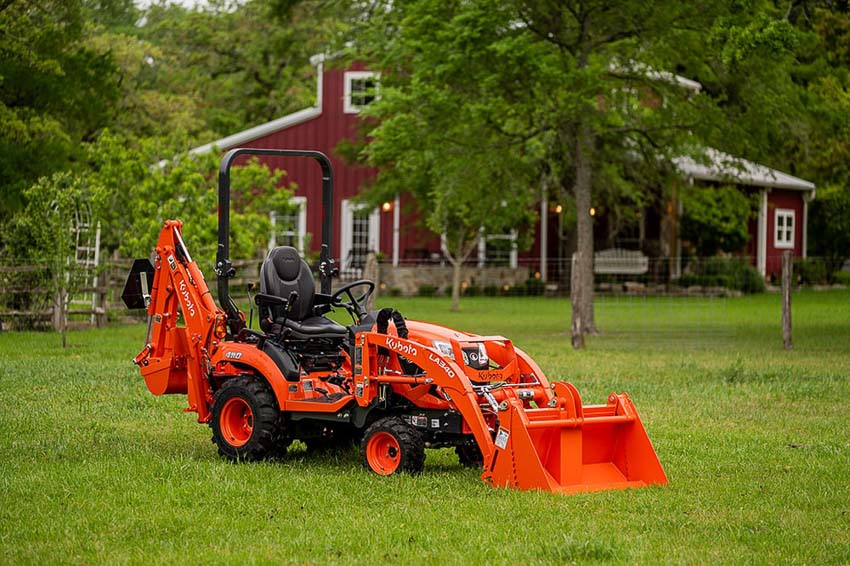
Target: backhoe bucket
(570,448)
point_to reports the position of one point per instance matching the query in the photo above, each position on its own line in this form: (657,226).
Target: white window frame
(346,243)
(350,76)
(300,229)
(482,247)
(780,242)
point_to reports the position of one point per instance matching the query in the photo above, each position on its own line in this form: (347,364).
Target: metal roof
(723,167)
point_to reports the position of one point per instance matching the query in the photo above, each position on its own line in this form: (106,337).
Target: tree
(55,92)
(552,84)
(716,219)
(438,131)
(159,183)
(242,63)
(43,233)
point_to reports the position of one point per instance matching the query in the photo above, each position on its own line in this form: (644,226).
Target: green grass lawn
(755,442)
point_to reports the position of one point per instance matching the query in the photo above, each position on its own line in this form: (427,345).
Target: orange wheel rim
(237,422)
(383,453)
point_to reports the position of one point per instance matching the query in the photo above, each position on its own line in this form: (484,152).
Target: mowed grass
(755,441)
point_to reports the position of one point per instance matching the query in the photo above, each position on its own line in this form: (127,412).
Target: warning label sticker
(502,438)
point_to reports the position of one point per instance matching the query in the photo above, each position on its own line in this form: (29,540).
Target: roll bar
(224,268)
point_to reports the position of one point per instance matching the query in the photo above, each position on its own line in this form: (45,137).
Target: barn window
(290,229)
(783,229)
(361,88)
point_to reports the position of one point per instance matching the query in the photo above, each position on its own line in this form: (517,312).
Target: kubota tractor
(397,386)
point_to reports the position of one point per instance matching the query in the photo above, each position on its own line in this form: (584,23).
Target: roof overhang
(722,167)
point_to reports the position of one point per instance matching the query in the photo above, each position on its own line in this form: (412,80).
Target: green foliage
(534,286)
(731,273)
(243,64)
(131,192)
(829,226)
(43,235)
(184,187)
(55,92)
(810,271)
(716,219)
(426,290)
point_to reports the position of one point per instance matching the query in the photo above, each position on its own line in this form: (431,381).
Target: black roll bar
(224,268)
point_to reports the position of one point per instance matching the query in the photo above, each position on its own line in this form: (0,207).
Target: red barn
(341,93)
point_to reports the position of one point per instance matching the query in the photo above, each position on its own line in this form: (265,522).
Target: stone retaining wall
(408,279)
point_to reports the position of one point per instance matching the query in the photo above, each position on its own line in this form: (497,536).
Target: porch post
(544,234)
(761,236)
(396,223)
(806,198)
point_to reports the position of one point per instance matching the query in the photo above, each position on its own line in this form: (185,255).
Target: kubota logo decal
(439,361)
(233,355)
(401,348)
(184,290)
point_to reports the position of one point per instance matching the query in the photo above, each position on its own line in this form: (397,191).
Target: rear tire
(470,456)
(246,421)
(391,446)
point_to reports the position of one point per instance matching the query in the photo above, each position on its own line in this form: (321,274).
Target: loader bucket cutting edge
(572,449)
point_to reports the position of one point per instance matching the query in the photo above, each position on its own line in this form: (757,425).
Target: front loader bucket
(570,448)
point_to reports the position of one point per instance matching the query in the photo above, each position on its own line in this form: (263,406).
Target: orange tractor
(396,386)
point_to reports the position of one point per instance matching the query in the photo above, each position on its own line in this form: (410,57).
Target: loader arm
(538,435)
(176,357)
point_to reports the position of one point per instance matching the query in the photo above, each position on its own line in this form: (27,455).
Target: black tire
(470,456)
(259,437)
(395,444)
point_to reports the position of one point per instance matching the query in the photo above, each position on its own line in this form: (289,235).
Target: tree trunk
(457,272)
(581,294)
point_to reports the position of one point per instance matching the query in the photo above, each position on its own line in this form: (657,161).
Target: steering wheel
(356,304)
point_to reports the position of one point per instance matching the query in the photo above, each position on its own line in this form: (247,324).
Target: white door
(359,236)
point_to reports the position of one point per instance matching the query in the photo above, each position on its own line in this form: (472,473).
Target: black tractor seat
(313,327)
(286,276)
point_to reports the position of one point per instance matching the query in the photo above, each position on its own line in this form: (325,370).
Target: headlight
(444,348)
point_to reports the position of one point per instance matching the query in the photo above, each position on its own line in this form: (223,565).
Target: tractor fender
(248,355)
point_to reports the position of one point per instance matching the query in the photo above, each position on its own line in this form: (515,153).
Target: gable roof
(723,167)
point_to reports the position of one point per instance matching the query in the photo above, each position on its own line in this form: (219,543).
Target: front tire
(391,446)
(246,420)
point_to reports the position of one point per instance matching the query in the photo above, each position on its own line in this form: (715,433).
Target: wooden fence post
(575,299)
(787,272)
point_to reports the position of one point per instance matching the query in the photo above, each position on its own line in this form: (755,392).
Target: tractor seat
(314,327)
(282,273)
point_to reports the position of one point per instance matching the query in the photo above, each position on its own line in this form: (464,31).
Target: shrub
(731,273)
(426,290)
(471,291)
(394,292)
(490,291)
(842,277)
(534,287)
(810,271)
